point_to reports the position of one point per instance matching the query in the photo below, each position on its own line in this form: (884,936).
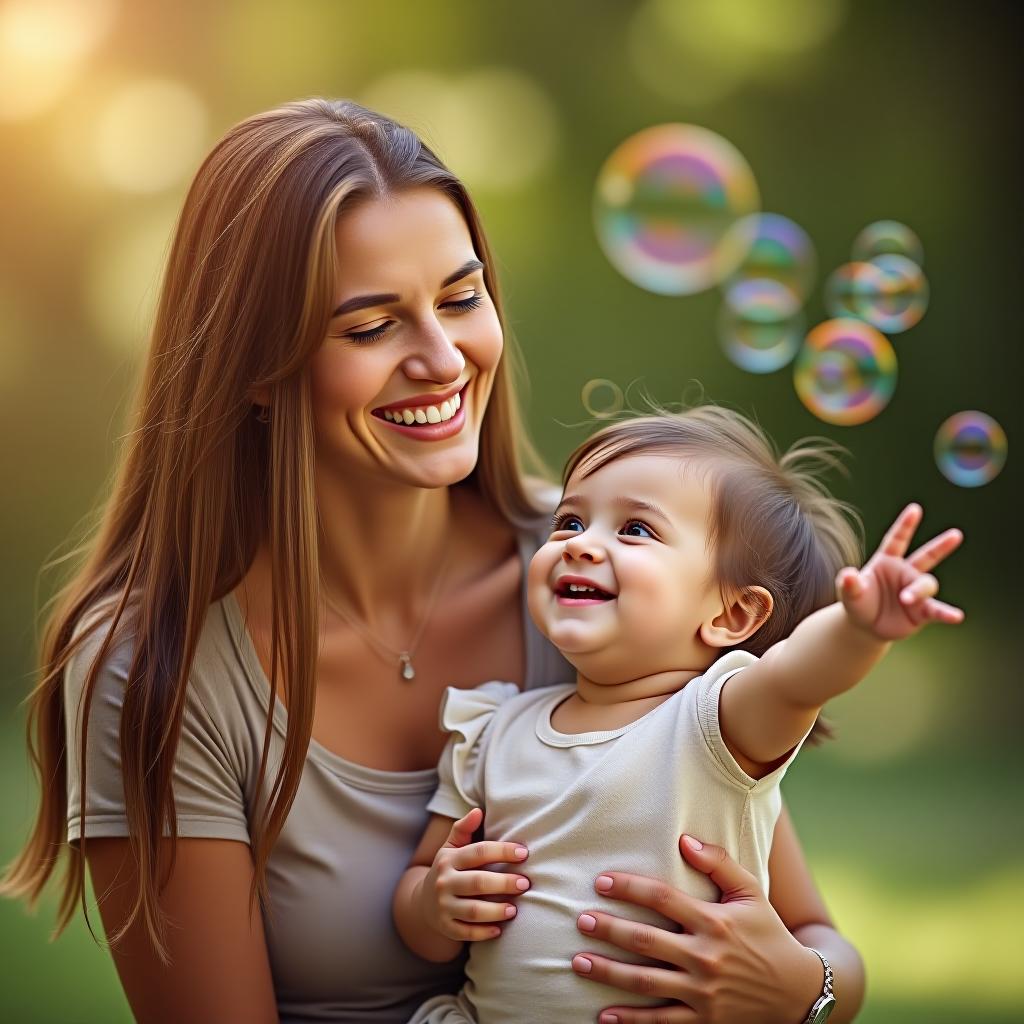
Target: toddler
(690,578)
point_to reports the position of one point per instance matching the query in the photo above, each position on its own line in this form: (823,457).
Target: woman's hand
(445,895)
(736,963)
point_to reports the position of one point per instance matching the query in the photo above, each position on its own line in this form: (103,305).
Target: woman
(321,511)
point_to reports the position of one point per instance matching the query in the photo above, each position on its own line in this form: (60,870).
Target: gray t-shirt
(334,952)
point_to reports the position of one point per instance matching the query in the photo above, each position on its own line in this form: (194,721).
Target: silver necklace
(405,666)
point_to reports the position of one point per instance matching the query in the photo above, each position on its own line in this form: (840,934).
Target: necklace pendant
(408,672)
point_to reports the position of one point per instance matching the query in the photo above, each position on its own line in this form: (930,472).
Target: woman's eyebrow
(362,301)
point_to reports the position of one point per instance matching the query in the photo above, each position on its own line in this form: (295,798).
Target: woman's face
(414,337)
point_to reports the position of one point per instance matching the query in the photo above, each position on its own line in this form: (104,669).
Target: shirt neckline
(547,733)
(361,775)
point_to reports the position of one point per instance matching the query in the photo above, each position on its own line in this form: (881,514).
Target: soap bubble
(889,292)
(611,402)
(887,236)
(899,296)
(768,246)
(760,325)
(847,287)
(663,202)
(970,449)
(846,372)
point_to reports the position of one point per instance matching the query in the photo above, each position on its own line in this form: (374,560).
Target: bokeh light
(43,44)
(455,114)
(970,449)
(846,372)
(699,51)
(760,325)
(768,246)
(149,135)
(602,398)
(664,201)
(887,236)
(122,278)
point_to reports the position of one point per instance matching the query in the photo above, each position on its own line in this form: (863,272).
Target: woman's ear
(744,614)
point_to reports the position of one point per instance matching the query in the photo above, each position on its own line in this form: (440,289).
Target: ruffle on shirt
(465,714)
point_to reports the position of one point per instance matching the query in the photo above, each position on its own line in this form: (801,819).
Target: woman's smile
(426,420)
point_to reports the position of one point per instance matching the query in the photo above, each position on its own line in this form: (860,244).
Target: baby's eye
(635,524)
(566,521)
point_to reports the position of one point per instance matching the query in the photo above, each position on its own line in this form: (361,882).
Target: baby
(690,578)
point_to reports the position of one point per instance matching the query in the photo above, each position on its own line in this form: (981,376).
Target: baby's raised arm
(767,708)
(434,908)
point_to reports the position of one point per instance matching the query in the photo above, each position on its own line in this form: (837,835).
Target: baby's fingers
(486,883)
(471,932)
(939,611)
(461,833)
(926,585)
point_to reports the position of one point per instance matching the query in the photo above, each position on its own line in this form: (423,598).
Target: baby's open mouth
(582,592)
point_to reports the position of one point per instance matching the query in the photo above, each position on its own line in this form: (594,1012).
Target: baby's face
(637,530)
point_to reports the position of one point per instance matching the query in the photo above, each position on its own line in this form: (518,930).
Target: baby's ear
(745,612)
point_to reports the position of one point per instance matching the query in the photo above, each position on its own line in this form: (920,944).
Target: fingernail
(521,852)
(604,883)
(581,964)
(907,596)
(693,844)
(609,1018)
(522,884)
(587,922)
(510,911)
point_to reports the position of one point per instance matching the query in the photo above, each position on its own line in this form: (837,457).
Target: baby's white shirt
(614,800)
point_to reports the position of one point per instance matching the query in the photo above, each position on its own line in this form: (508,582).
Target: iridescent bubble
(887,236)
(760,325)
(889,292)
(849,285)
(900,295)
(610,399)
(768,246)
(846,372)
(970,449)
(663,203)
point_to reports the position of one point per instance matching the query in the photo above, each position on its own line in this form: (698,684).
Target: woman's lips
(431,431)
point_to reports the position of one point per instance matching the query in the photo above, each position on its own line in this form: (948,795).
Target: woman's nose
(436,356)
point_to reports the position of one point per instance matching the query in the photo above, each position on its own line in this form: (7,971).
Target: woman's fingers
(476,855)
(929,554)
(677,1014)
(637,937)
(652,982)
(479,883)
(677,906)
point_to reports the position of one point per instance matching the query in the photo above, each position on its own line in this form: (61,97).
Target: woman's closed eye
(473,301)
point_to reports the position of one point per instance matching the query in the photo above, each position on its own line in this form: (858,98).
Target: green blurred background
(848,113)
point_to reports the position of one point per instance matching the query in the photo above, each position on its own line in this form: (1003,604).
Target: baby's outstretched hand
(893,596)
(446,892)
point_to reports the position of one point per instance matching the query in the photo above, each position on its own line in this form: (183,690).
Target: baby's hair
(774,522)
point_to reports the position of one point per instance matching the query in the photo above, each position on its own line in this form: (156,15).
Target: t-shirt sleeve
(466,714)
(709,691)
(208,794)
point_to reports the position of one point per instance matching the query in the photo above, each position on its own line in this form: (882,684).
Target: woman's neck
(382,544)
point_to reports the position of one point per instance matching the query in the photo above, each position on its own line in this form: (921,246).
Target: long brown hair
(200,482)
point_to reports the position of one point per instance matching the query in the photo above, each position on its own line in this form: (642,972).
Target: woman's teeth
(426,413)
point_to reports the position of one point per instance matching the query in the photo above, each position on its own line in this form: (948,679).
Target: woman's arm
(736,960)
(219,967)
(798,903)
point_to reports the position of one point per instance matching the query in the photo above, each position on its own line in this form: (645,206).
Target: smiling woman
(225,708)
